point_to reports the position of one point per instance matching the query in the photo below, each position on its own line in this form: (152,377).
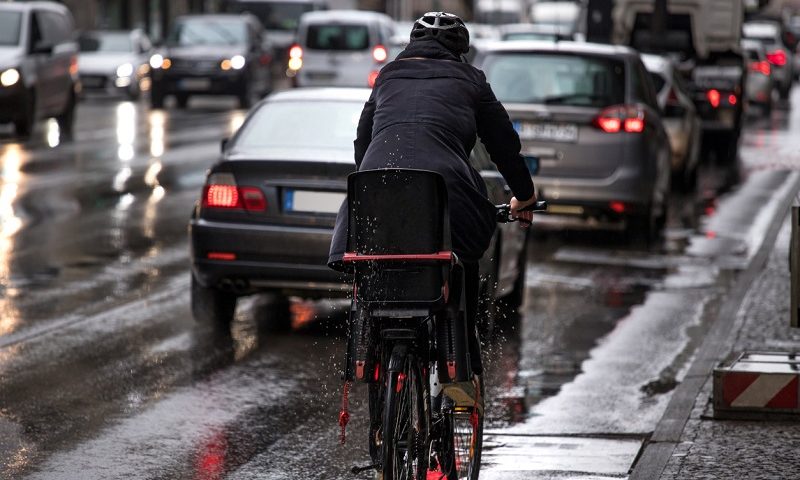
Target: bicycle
(407,334)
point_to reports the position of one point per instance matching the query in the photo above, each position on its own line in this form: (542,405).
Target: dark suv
(38,65)
(212,55)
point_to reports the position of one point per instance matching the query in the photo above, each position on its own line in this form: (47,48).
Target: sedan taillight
(628,118)
(221,191)
(761,67)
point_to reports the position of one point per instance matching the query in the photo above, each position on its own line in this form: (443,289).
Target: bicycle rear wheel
(463,441)
(405,424)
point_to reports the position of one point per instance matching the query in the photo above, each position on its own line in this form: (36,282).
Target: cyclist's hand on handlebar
(525,218)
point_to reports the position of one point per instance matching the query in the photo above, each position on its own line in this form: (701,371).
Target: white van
(342,48)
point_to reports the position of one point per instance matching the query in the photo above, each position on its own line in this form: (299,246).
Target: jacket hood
(428,48)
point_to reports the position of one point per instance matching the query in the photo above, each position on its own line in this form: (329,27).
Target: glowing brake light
(777,57)
(380,54)
(761,67)
(713,97)
(221,196)
(372,78)
(629,118)
(222,192)
(732,99)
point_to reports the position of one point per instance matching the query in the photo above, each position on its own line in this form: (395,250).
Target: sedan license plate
(194,84)
(312,201)
(553,132)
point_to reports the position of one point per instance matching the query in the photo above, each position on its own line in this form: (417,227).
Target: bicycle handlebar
(504,211)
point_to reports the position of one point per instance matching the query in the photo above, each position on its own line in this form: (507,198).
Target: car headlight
(237,62)
(159,61)
(9,77)
(126,70)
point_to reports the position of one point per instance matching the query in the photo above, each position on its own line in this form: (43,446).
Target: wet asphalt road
(104,374)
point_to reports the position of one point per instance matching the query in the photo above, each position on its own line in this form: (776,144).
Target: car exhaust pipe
(240,285)
(226,284)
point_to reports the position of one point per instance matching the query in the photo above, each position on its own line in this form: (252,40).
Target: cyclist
(425,111)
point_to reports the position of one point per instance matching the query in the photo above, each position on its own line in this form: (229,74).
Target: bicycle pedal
(358,470)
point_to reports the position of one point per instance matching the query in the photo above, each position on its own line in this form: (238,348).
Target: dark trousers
(472,282)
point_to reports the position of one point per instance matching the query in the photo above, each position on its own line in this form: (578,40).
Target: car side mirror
(223,144)
(42,47)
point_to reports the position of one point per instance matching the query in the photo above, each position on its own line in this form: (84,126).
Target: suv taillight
(380,54)
(222,192)
(761,67)
(777,57)
(628,118)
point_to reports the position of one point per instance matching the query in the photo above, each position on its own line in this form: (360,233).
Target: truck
(704,37)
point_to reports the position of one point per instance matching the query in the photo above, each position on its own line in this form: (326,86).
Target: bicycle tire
(462,442)
(405,425)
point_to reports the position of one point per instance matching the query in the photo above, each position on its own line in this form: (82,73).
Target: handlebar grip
(540,206)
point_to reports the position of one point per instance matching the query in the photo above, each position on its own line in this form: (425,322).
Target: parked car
(780,57)
(342,48)
(38,65)
(265,219)
(112,61)
(280,19)
(759,85)
(589,112)
(532,31)
(680,119)
(219,54)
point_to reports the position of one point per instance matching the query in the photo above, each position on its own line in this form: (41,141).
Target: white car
(114,62)
(340,48)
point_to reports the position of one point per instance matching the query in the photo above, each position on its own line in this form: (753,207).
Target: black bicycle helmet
(446,28)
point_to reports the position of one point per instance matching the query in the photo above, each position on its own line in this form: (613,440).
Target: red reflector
(372,78)
(221,196)
(777,57)
(221,256)
(617,207)
(634,125)
(713,97)
(253,199)
(732,99)
(380,54)
(296,51)
(377,375)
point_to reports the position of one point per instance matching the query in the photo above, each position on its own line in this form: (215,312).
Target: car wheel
(25,121)
(212,306)
(156,100)
(182,100)
(134,92)
(67,118)
(784,93)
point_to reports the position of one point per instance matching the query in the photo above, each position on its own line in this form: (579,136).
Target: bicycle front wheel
(405,424)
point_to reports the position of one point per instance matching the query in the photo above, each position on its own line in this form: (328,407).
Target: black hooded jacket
(424,112)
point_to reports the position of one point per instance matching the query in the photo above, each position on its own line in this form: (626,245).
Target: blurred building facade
(154,16)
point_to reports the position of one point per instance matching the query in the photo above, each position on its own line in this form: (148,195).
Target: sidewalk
(717,449)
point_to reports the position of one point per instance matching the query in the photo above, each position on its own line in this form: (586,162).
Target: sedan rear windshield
(208,32)
(9,28)
(302,125)
(337,37)
(556,79)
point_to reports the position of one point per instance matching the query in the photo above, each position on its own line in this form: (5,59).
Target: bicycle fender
(398,358)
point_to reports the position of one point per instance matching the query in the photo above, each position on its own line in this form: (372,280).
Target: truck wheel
(212,306)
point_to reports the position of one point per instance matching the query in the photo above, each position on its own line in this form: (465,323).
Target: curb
(667,434)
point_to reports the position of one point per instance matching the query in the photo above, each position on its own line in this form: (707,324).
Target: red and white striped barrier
(757,384)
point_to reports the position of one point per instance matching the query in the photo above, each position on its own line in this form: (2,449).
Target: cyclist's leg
(472,289)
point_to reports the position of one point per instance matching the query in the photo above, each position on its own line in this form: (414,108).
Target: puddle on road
(513,457)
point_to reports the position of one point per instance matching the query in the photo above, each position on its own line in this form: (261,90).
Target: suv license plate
(195,84)
(553,132)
